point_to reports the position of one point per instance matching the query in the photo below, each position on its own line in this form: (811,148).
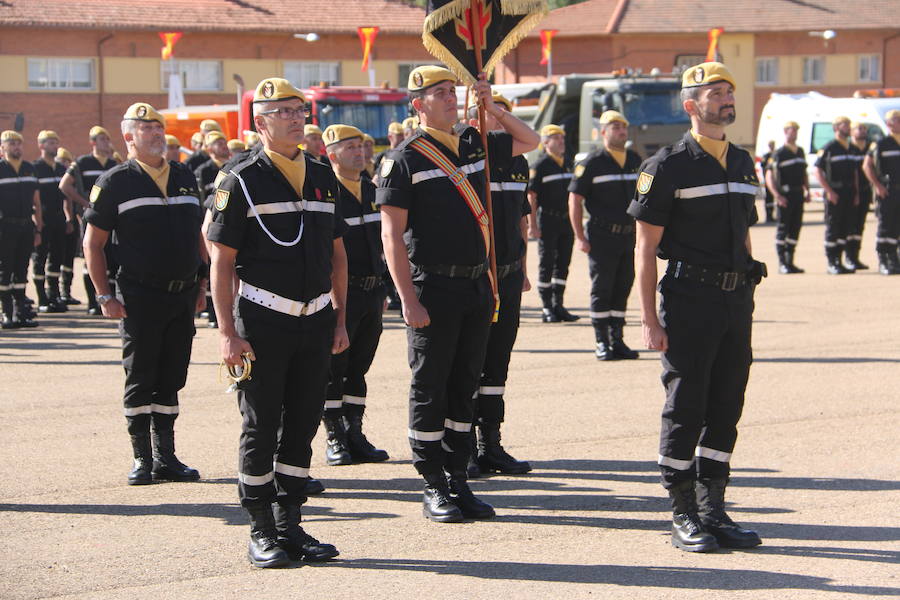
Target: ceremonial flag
(713,51)
(452,26)
(547,44)
(367,39)
(169,39)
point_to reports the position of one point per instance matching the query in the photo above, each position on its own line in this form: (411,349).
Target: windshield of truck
(654,107)
(370,118)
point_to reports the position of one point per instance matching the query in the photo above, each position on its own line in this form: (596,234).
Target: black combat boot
(8,319)
(781,253)
(298,544)
(360,448)
(462,496)
(886,264)
(619,347)
(558,292)
(56,303)
(336,451)
(835,267)
(41,291)
(166,466)
(688,533)
(472,468)
(141,471)
(24,314)
(66,282)
(789,260)
(436,502)
(548,315)
(92,307)
(313,487)
(711,508)
(492,457)
(852,253)
(263,549)
(604,349)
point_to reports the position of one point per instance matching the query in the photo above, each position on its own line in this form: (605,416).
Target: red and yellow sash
(460,181)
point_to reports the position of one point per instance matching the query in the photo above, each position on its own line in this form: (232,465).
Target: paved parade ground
(816,469)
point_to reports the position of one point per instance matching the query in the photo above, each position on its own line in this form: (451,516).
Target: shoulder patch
(874,146)
(221,199)
(579,170)
(644,182)
(219,177)
(387,165)
(95,193)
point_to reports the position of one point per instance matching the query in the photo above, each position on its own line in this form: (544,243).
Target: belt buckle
(305,309)
(452,271)
(616,228)
(369,283)
(457,177)
(729,281)
(175,286)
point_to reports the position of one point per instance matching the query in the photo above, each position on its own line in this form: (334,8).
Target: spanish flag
(713,51)
(169,39)
(367,38)
(547,44)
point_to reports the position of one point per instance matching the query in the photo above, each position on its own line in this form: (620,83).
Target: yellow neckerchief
(861,145)
(217,162)
(370,168)
(718,149)
(557,159)
(160,176)
(448,139)
(294,170)
(15,163)
(896,137)
(844,143)
(791,147)
(618,156)
(353,186)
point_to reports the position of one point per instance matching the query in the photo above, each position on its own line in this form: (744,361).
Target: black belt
(456,271)
(841,185)
(554,213)
(366,284)
(787,187)
(504,270)
(725,280)
(617,228)
(173,286)
(16,221)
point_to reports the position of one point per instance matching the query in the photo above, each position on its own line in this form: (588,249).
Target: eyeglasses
(288,114)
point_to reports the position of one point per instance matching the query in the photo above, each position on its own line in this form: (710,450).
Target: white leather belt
(272,301)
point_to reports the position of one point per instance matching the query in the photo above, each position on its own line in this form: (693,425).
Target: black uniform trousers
(490,406)
(70,251)
(554,249)
(52,247)
(888,212)
(157,336)
(281,406)
(16,244)
(838,219)
(858,219)
(446,358)
(611,266)
(790,218)
(705,373)
(347,380)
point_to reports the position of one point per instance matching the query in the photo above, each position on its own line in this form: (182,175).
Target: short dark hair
(690,93)
(413,95)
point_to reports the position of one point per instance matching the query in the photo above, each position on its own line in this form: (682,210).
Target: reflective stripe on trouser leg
(347,383)
(502,337)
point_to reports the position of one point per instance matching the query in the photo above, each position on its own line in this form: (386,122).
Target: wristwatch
(103,299)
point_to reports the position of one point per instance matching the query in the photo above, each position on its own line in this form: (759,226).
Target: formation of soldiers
(294,255)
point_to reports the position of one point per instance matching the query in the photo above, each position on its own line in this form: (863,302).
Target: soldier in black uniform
(345,400)
(151,206)
(765,162)
(20,229)
(76,185)
(548,194)
(859,144)
(199,156)
(173,148)
(882,169)
(695,202)
(313,143)
(604,185)
(277,222)
(838,174)
(394,136)
(58,219)
(511,210)
(431,194)
(788,182)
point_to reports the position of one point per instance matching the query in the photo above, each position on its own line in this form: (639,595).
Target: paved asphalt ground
(816,468)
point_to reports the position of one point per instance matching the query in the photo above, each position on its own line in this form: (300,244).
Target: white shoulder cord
(259,220)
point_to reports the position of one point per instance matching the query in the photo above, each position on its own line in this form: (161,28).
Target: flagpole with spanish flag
(367,37)
(547,49)
(712,53)
(176,93)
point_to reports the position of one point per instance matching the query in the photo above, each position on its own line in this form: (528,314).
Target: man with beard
(694,205)
(882,169)
(312,142)
(838,174)
(173,149)
(859,144)
(788,183)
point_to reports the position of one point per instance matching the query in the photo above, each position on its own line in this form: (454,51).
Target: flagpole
(482,125)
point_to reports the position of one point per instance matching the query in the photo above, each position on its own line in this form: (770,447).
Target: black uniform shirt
(88,168)
(839,164)
(885,154)
(196,159)
(607,188)
(52,199)
(363,238)
(551,184)
(788,168)
(299,272)
(441,230)
(510,204)
(706,211)
(206,178)
(17,190)
(859,154)
(156,237)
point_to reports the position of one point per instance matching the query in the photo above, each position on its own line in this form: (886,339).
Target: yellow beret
(97,130)
(236,145)
(141,111)
(793,124)
(498,99)
(197,138)
(10,135)
(410,123)
(706,74)
(891,114)
(207,125)
(63,154)
(310,129)
(610,116)
(117,157)
(171,140)
(47,134)
(368,138)
(839,120)
(855,124)
(276,88)
(338,133)
(548,130)
(251,137)
(213,136)
(395,128)
(422,78)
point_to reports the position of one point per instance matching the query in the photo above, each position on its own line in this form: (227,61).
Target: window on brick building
(813,69)
(196,75)
(60,73)
(766,71)
(306,74)
(404,69)
(870,67)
